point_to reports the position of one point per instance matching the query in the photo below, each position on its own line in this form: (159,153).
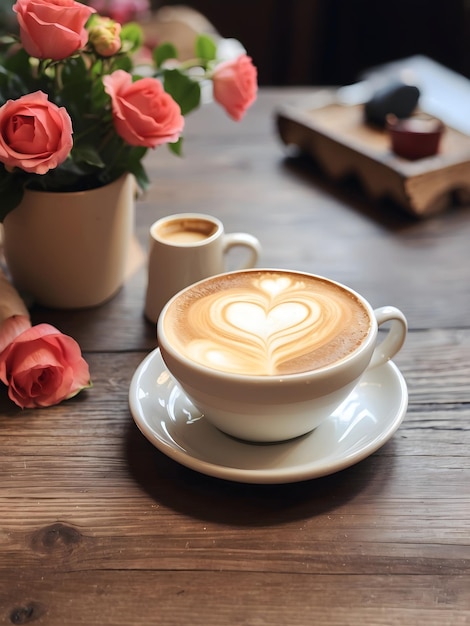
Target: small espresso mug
(185,248)
(267,355)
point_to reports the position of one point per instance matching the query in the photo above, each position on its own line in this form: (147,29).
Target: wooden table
(97,526)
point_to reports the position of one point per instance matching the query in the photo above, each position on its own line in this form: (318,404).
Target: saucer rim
(294,473)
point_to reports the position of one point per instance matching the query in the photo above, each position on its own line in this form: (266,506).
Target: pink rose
(35,134)
(42,367)
(52,29)
(143,113)
(235,85)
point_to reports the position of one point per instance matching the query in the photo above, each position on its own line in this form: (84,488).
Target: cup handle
(245,240)
(395,338)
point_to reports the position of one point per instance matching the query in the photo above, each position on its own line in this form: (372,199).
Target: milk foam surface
(266,323)
(185,230)
(184,236)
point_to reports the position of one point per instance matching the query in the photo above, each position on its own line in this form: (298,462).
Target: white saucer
(363,423)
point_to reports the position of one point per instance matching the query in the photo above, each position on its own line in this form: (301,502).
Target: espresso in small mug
(268,354)
(185,248)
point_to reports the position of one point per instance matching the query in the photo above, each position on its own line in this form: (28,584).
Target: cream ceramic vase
(70,250)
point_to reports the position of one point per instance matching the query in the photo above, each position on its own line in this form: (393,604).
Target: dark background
(329,42)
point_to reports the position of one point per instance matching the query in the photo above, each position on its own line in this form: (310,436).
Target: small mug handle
(395,338)
(245,240)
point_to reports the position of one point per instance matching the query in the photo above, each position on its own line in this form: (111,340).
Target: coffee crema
(186,231)
(266,323)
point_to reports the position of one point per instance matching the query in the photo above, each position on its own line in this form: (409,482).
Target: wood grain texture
(143,598)
(97,527)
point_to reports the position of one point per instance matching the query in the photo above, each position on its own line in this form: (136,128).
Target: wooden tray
(337,138)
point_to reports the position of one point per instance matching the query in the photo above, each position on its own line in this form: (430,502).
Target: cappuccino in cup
(266,355)
(266,323)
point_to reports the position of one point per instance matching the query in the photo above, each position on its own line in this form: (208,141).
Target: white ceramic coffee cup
(185,248)
(275,407)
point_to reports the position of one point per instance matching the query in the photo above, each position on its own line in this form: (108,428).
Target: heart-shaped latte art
(251,318)
(258,330)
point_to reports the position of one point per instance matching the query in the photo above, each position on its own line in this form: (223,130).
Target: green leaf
(99,98)
(11,192)
(87,154)
(205,48)
(74,70)
(18,62)
(164,52)
(11,87)
(7,39)
(123,62)
(15,75)
(138,170)
(132,37)
(76,89)
(177,147)
(183,89)
(71,175)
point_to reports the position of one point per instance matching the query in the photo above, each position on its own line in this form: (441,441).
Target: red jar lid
(415,137)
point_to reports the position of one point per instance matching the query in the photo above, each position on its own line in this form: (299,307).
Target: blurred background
(324,42)
(330,42)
